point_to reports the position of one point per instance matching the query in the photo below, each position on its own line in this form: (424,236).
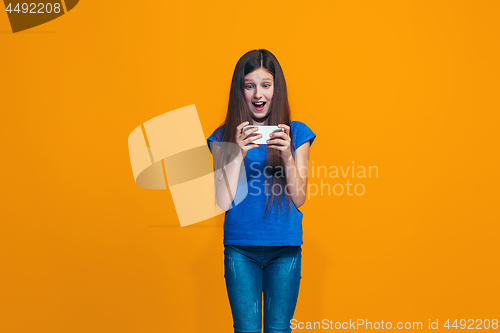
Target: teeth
(259,104)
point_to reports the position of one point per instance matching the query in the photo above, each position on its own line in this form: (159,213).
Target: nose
(258,93)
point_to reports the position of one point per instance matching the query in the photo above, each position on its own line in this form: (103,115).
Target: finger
(280,134)
(286,127)
(243,124)
(277,141)
(250,131)
(252,138)
(247,148)
(239,128)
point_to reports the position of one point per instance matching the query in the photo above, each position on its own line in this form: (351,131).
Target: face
(259,90)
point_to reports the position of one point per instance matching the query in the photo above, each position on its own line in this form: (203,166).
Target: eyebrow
(262,80)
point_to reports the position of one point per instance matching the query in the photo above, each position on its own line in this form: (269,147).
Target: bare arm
(226,188)
(297,174)
(297,169)
(232,170)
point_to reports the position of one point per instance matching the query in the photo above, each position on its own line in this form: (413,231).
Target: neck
(256,123)
(260,121)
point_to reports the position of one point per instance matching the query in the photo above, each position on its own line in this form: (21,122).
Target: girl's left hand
(281,141)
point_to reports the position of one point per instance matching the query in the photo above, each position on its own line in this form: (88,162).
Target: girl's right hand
(243,140)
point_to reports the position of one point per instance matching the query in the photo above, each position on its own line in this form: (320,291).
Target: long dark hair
(238,112)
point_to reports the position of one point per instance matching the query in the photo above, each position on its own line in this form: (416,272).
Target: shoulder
(216,137)
(217,134)
(301,133)
(297,125)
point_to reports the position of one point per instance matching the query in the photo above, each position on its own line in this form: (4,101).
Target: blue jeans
(252,270)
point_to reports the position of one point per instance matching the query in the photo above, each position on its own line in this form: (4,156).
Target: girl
(262,225)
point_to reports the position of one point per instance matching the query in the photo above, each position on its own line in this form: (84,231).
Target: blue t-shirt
(245,223)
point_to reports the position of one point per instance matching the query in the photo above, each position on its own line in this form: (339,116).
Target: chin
(260,114)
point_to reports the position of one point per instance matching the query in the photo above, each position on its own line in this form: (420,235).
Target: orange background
(409,87)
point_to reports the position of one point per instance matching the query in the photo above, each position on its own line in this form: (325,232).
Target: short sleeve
(210,140)
(302,134)
(215,136)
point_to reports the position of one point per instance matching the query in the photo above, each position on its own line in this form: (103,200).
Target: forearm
(295,183)
(232,171)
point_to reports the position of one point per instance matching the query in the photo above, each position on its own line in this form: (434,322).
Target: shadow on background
(23,17)
(28,32)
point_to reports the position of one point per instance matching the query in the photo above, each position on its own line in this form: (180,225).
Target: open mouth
(259,106)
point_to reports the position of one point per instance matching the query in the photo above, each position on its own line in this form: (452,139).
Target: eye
(266,85)
(248,86)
